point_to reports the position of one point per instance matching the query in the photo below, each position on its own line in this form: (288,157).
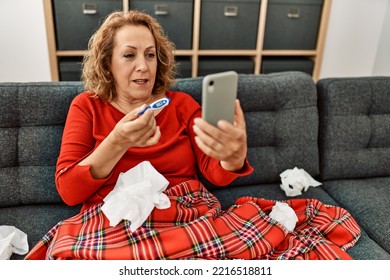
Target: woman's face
(134,63)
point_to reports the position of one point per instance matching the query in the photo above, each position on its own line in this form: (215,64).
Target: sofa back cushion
(354,127)
(32,120)
(282,122)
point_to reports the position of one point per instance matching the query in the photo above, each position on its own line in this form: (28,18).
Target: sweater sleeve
(210,167)
(75,183)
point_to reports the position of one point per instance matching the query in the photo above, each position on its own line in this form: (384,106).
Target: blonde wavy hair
(96,72)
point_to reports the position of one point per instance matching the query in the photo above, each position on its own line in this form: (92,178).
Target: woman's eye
(150,55)
(128,55)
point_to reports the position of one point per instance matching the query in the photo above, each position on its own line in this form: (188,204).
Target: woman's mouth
(140,81)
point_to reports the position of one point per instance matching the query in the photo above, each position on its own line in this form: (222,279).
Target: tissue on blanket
(285,215)
(135,195)
(12,240)
(295,180)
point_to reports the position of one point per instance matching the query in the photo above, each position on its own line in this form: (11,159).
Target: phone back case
(219,92)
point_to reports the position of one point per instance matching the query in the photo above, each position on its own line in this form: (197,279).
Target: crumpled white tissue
(295,180)
(12,240)
(135,195)
(284,214)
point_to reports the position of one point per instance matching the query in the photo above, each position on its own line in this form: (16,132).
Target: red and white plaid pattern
(195,227)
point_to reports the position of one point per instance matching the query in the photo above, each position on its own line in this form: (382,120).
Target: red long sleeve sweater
(176,155)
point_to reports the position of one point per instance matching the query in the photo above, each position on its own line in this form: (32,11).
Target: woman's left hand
(225,142)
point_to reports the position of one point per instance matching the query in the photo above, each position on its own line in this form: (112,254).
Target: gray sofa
(338,130)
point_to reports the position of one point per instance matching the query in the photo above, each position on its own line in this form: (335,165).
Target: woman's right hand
(136,131)
(131,131)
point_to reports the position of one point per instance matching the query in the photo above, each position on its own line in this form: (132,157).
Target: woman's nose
(141,64)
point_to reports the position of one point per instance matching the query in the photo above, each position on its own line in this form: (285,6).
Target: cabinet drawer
(210,65)
(70,69)
(227,24)
(175,16)
(184,67)
(292,24)
(282,64)
(77,20)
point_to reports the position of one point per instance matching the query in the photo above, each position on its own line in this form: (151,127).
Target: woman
(129,65)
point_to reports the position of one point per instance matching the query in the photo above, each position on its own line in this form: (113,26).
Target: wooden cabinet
(195,54)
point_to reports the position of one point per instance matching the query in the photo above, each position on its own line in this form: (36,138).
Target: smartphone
(219,92)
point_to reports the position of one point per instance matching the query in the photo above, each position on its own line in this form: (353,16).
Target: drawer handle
(230,11)
(89,9)
(294,13)
(161,10)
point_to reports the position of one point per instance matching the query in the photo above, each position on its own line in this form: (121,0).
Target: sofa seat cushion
(368,202)
(354,127)
(367,249)
(35,220)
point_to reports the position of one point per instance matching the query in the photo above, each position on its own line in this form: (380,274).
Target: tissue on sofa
(135,195)
(296,180)
(12,240)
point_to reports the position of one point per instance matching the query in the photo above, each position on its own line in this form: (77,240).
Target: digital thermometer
(161,103)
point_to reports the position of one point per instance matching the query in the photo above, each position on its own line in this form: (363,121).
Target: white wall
(357,41)
(382,59)
(23,46)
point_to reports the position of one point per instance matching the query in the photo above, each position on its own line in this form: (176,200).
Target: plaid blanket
(195,227)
